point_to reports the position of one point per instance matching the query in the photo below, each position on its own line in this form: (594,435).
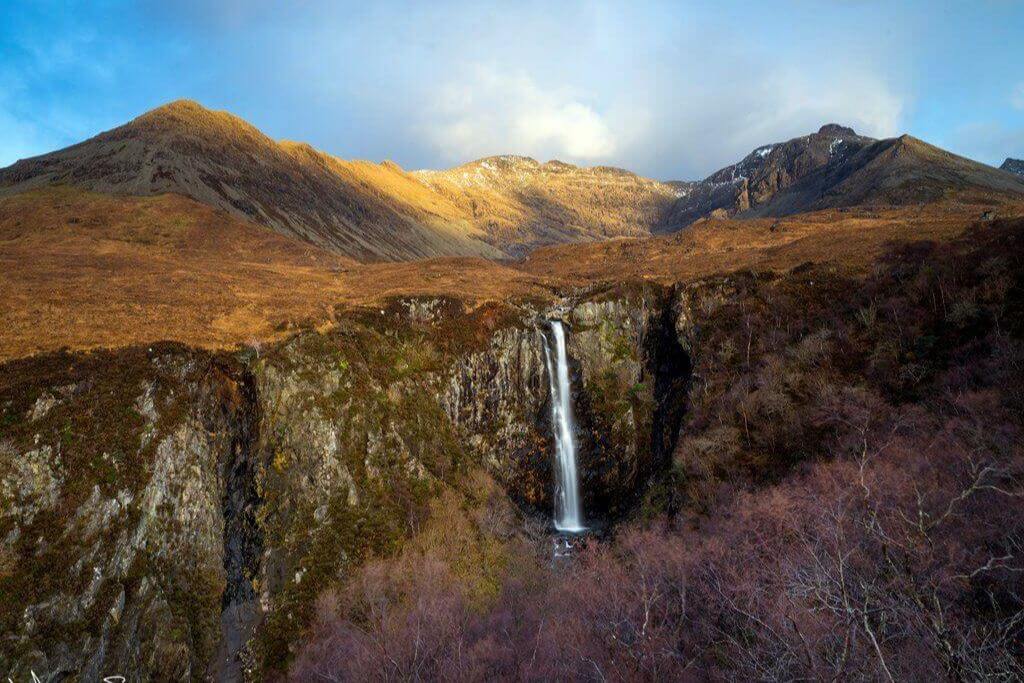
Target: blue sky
(668,89)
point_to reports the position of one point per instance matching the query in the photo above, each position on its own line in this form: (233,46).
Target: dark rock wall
(167,513)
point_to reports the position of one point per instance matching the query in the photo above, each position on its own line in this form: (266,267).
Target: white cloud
(701,126)
(858,99)
(686,131)
(495,112)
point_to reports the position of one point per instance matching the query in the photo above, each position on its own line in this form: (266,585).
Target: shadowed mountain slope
(363,210)
(497,207)
(1013,166)
(836,168)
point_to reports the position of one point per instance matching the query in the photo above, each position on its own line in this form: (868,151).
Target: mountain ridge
(360,209)
(501,206)
(221,160)
(837,168)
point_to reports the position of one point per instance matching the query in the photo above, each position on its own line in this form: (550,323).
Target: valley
(266,414)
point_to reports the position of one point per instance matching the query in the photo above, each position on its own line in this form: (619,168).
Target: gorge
(511,342)
(187,513)
(304,458)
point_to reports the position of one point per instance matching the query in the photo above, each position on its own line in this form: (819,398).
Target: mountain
(836,167)
(222,448)
(521,203)
(496,207)
(1013,166)
(492,207)
(359,209)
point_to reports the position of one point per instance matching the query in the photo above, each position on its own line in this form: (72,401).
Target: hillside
(372,468)
(497,207)
(362,210)
(493,208)
(99,270)
(222,447)
(521,203)
(1013,166)
(96,270)
(836,168)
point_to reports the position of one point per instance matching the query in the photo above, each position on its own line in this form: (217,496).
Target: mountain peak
(836,129)
(507,161)
(837,168)
(175,109)
(182,104)
(1013,166)
(193,119)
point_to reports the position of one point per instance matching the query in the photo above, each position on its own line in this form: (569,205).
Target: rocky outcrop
(498,400)
(767,173)
(1013,166)
(112,550)
(630,380)
(354,444)
(168,513)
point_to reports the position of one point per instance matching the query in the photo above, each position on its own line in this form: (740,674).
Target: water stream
(568,508)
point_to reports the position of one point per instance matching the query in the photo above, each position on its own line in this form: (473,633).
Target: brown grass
(86,270)
(851,240)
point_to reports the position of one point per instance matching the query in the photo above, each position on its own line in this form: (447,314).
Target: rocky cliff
(173,513)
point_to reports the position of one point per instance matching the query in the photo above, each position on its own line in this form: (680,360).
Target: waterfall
(568,511)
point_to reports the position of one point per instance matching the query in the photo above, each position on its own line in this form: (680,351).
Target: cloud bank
(494,112)
(680,133)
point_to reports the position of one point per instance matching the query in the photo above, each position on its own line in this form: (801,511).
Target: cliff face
(630,380)
(111,517)
(174,513)
(629,377)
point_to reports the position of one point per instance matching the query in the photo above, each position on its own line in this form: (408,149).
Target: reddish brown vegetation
(84,270)
(863,518)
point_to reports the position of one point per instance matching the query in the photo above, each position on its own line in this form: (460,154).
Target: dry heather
(84,270)
(850,239)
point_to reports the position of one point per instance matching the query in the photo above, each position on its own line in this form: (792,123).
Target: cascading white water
(568,511)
